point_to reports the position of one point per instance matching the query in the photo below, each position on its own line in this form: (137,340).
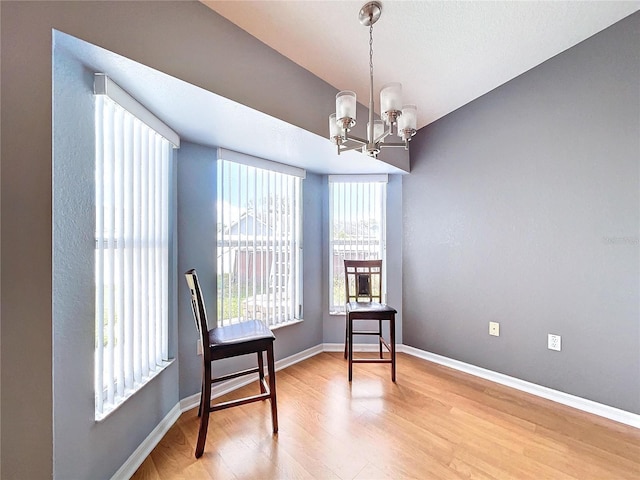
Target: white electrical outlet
(554,342)
(494,329)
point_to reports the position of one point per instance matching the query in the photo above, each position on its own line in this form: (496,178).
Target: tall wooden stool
(363,283)
(248,337)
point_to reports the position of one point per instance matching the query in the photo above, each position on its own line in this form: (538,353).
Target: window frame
(335,271)
(133,224)
(258,292)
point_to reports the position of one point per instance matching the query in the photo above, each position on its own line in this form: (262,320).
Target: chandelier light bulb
(334,130)
(408,122)
(346,108)
(391,102)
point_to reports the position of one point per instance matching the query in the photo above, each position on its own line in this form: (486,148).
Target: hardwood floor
(434,423)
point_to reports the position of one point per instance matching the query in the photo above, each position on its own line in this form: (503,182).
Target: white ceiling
(445,53)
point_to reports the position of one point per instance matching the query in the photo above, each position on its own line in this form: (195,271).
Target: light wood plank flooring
(434,423)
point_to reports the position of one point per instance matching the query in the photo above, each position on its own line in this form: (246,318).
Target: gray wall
(523,208)
(183,39)
(80,442)
(196,240)
(196,249)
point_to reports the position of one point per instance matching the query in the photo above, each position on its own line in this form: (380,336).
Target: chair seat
(364,307)
(246,331)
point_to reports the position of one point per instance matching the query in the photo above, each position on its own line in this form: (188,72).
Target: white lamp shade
(378,129)
(391,97)
(410,117)
(401,125)
(334,130)
(345,105)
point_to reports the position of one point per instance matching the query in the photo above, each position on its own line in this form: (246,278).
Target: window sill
(108,410)
(286,324)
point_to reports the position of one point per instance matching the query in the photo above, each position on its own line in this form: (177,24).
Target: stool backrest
(363,280)
(199,311)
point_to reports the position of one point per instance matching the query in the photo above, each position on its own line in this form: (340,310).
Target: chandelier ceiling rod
(398,118)
(371,11)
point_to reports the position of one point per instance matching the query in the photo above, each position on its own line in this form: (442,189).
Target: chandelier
(396,118)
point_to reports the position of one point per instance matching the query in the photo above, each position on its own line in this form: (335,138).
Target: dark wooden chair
(247,337)
(363,282)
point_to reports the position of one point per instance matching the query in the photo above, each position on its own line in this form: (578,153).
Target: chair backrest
(197,305)
(363,280)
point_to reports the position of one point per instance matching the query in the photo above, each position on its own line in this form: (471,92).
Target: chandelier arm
(360,141)
(344,148)
(404,145)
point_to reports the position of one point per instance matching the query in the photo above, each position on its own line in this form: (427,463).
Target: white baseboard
(357,347)
(579,403)
(132,464)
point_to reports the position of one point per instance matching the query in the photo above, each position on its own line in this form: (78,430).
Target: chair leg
(201,396)
(272,386)
(380,337)
(205,403)
(350,337)
(392,327)
(346,338)
(261,372)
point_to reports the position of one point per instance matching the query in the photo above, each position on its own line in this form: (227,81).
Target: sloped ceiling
(445,53)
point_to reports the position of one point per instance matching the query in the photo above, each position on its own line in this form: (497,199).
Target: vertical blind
(357,210)
(259,244)
(131,255)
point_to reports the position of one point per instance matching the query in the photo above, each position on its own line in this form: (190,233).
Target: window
(259,240)
(356,227)
(132,250)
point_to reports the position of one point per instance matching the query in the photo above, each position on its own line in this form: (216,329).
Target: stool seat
(238,333)
(369,307)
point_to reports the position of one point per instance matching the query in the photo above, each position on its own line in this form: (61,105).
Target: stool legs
(272,387)
(391,345)
(350,343)
(205,407)
(261,372)
(392,327)
(346,338)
